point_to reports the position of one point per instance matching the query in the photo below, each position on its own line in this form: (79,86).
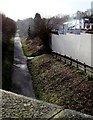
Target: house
(88,23)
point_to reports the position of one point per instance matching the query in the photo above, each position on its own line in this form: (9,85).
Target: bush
(8,31)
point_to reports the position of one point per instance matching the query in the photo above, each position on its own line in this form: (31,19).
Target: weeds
(26,52)
(88,77)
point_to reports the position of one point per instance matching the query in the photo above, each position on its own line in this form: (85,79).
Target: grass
(37,87)
(7,65)
(33,47)
(88,77)
(57,83)
(26,52)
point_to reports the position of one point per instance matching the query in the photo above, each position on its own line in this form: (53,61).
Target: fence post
(65,58)
(71,61)
(84,67)
(56,55)
(60,56)
(53,55)
(77,63)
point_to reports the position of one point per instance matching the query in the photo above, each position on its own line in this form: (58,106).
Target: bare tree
(44,26)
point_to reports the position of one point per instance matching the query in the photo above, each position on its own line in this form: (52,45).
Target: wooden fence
(71,61)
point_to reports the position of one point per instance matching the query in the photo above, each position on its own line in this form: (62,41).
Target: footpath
(21,79)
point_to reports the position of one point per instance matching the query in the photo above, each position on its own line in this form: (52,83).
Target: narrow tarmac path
(21,78)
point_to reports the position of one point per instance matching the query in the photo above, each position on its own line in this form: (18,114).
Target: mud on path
(21,79)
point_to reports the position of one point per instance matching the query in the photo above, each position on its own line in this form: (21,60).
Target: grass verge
(24,46)
(33,47)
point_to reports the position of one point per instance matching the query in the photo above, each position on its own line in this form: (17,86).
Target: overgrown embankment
(33,47)
(58,83)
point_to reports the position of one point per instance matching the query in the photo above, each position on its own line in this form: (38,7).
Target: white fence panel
(75,46)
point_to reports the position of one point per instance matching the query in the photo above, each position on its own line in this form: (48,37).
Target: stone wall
(17,106)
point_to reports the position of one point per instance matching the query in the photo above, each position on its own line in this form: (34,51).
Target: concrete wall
(75,46)
(21,107)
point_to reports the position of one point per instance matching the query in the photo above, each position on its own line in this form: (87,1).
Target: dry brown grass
(59,84)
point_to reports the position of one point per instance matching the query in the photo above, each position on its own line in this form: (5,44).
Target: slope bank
(58,83)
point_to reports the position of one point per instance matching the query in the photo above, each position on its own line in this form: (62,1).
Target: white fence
(76,46)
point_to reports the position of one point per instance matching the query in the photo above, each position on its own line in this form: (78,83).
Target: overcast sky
(20,9)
